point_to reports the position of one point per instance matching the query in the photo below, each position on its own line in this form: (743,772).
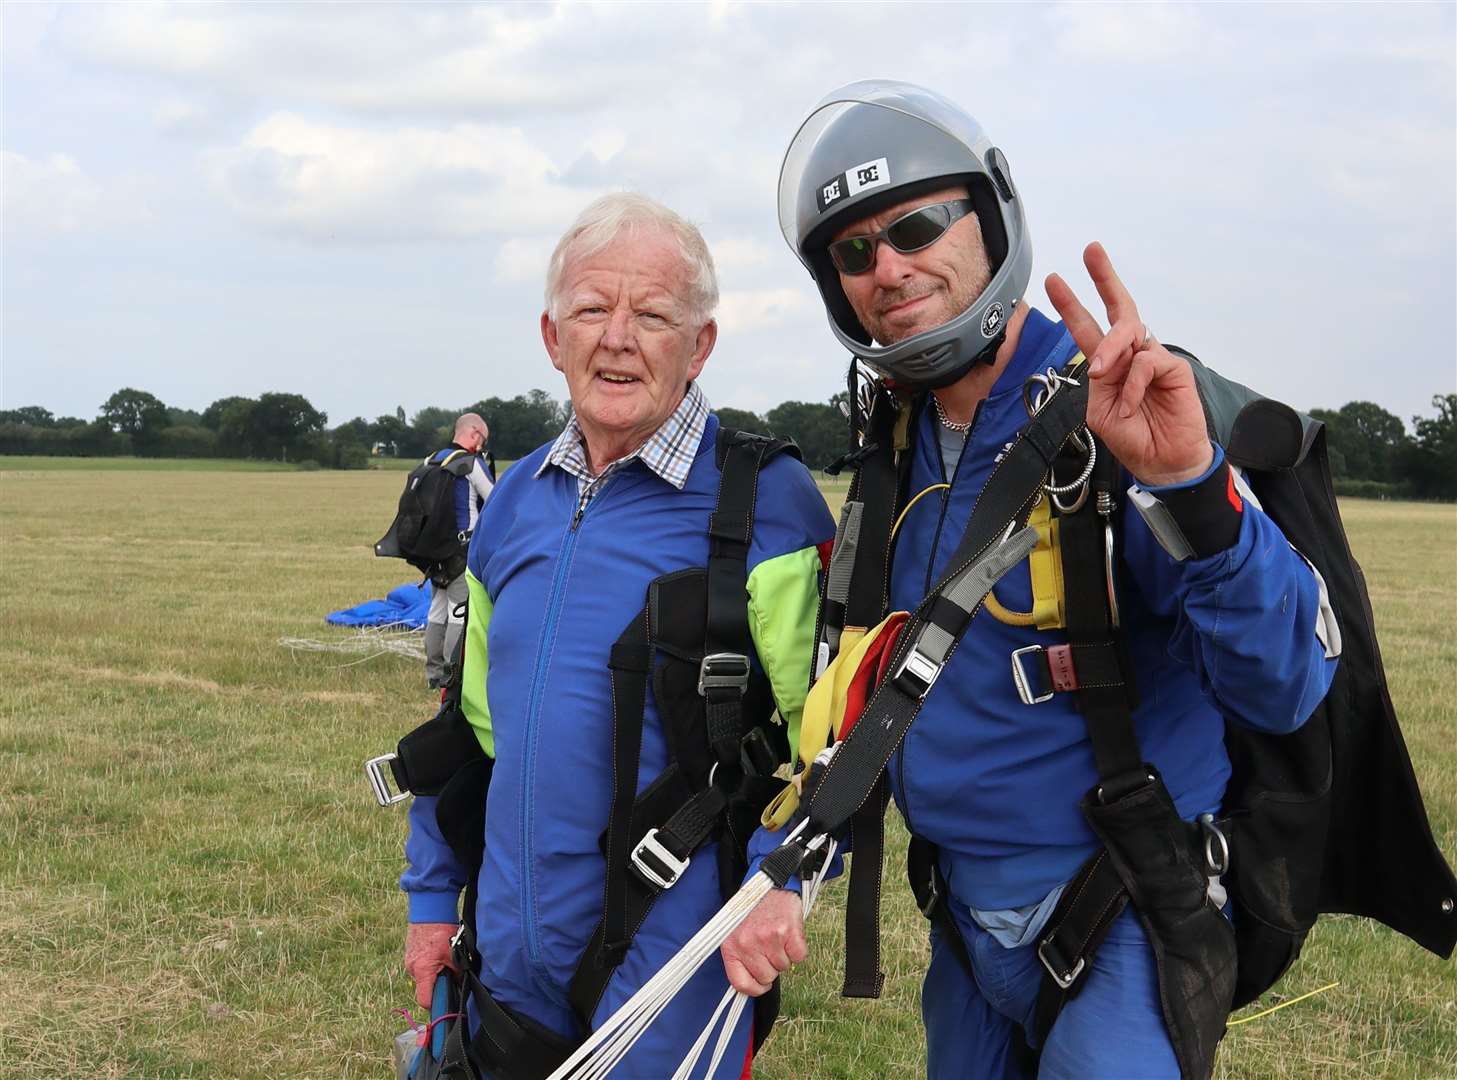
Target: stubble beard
(958,303)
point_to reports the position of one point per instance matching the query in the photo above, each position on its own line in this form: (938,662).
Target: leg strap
(1088,907)
(509,1046)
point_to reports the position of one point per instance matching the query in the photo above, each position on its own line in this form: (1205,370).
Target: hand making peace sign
(1142,399)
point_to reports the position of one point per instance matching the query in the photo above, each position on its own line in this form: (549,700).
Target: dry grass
(194,881)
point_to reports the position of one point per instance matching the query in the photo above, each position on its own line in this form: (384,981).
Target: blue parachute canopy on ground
(406,607)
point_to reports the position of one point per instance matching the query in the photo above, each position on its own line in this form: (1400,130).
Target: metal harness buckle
(723,669)
(1064,979)
(921,669)
(669,869)
(374,773)
(1023,680)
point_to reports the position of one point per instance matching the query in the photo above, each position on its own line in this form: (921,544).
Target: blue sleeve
(1245,619)
(433,876)
(763,843)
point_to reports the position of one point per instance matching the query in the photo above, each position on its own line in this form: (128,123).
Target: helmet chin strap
(987,355)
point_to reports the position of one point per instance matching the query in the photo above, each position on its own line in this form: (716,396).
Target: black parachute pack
(691,644)
(1326,819)
(426,532)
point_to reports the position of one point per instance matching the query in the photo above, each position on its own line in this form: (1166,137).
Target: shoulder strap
(727,646)
(856,593)
(458,462)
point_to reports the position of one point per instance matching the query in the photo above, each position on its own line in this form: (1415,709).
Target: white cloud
(328,182)
(523,259)
(735,254)
(1132,34)
(193,120)
(743,310)
(54,194)
(371,57)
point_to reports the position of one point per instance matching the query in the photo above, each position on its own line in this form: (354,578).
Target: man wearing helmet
(908,220)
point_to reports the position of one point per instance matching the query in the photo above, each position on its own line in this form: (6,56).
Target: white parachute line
(632,1028)
(809,893)
(731,1022)
(685,1068)
(625,1026)
(609,1043)
(372,641)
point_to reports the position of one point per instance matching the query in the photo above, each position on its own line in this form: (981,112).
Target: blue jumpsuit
(550,591)
(995,783)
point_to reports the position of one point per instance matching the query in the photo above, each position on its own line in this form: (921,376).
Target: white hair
(607,218)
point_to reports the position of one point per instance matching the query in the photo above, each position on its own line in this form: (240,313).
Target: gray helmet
(872,144)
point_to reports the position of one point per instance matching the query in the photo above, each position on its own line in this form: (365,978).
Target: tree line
(272,426)
(1371,451)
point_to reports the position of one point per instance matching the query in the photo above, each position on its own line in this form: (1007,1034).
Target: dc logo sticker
(991,322)
(868,174)
(831,191)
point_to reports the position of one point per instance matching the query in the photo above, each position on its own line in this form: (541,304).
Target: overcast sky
(357,203)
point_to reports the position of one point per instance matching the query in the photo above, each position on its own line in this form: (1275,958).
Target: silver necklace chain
(946,422)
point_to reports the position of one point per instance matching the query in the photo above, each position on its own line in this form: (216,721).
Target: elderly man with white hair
(642,604)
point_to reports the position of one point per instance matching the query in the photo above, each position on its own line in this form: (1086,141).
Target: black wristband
(1208,513)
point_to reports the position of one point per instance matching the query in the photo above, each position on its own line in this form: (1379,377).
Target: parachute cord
(919,495)
(809,892)
(1284,1004)
(609,1044)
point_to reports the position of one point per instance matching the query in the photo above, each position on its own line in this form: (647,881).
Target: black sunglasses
(919,229)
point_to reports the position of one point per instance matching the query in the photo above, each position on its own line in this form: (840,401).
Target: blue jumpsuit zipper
(533,716)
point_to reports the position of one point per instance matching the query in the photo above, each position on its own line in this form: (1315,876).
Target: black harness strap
(630,662)
(1149,856)
(651,837)
(876,486)
(508,1046)
(863,977)
(1105,697)
(1106,701)
(726,643)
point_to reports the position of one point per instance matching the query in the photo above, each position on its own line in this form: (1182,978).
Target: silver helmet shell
(872,144)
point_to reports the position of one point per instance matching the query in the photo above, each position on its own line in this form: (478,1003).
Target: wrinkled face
(626,340)
(904,295)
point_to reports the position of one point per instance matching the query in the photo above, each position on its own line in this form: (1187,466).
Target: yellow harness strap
(1045,567)
(824,709)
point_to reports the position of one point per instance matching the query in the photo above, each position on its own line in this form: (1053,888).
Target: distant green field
(37,462)
(196,883)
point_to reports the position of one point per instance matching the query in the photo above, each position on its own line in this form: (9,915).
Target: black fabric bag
(425,532)
(1193,942)
(1330,817)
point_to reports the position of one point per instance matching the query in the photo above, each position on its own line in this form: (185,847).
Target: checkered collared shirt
(669,451)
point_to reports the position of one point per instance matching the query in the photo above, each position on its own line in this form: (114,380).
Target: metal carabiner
(1035,404)
(1054,490)
(1037,391)
(1049,382)
(1214,866)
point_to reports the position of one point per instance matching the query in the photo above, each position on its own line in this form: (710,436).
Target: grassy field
(41,463)
(196,883)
